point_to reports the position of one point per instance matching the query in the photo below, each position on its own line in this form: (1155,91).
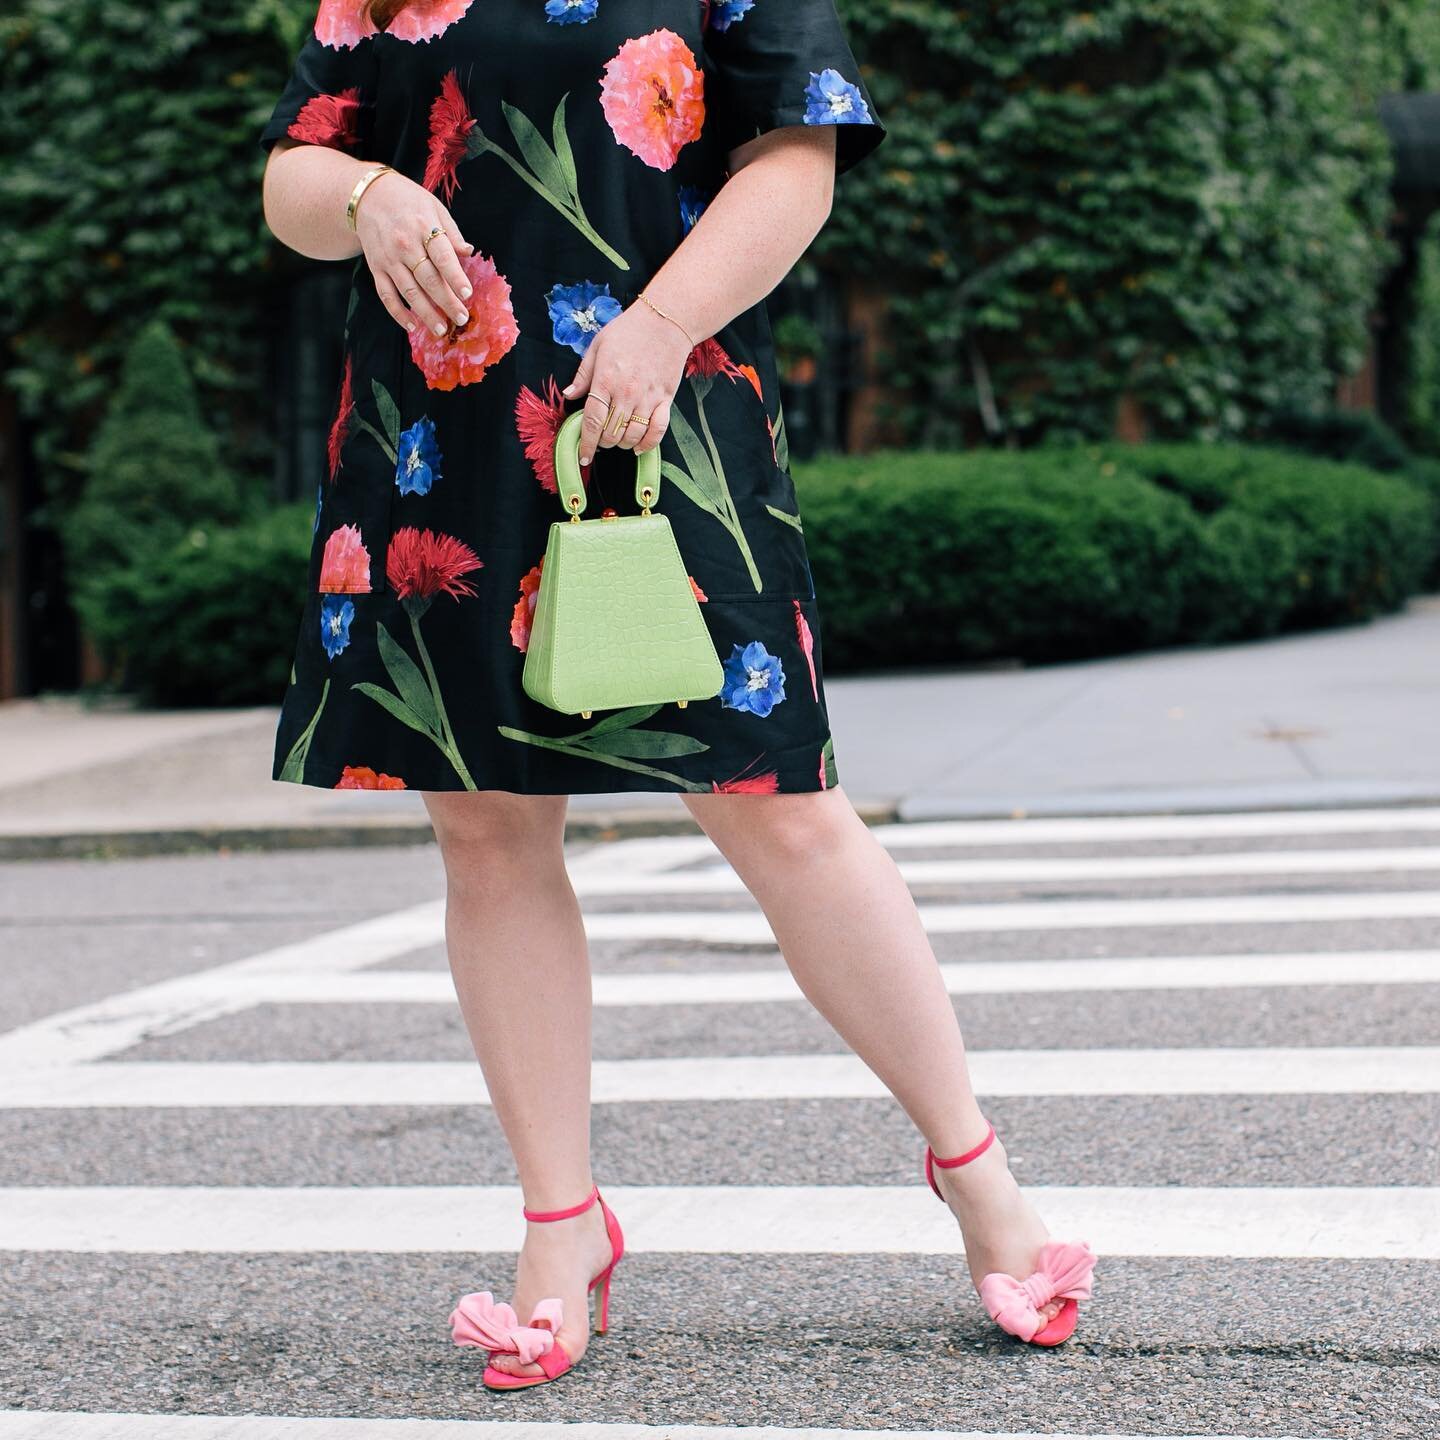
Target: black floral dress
(576,142)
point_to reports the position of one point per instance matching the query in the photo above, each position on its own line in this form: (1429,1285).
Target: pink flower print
(343,24)
(425,19)
(345,566)
(653,95)
(464,353)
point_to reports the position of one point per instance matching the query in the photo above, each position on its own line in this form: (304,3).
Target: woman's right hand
(394,218)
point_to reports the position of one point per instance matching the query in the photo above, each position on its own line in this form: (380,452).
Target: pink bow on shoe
(1063,1272)
(481,1322)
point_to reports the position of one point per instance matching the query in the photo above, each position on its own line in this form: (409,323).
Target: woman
(588,202)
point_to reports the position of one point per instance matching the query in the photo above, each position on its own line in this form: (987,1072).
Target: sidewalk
(1337,717)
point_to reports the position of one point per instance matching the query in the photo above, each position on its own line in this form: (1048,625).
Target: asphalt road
(246,1167)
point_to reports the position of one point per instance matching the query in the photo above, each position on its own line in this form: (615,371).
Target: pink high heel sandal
(1063,1271)
(480,1322)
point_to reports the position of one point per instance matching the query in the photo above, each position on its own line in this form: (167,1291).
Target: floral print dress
(576,142)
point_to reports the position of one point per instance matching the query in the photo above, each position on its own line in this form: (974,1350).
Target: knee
(480,832)
(779,834)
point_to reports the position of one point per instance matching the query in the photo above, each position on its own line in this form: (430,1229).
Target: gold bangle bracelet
(361,186)
(643,296)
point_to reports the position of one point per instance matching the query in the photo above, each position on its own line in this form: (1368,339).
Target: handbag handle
(567,469)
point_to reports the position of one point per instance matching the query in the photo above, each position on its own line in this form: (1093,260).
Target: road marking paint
(722,880)
(1334,1070)
(79,1425)
(89,1032)
(653,854)
(746,927)
(1361,1222)
(971,977)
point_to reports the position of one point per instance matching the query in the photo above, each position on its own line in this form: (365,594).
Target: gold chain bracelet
(643,296)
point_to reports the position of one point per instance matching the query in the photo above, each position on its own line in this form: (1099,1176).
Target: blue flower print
(693,202)
(754,680)
(725,13)
(580,312)
(833,100)
(570,12)
(335,617)
(418,466)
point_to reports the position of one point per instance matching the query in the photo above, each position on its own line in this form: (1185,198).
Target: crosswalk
(286,1164)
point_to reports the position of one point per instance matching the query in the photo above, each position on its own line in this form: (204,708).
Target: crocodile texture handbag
(616,620)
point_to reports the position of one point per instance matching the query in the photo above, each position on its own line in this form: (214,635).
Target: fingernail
(466,292)
(410,326)
(585,459)
(569,389)
(462,317)
(439,328)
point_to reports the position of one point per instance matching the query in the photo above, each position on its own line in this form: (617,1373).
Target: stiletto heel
(1063,1271)
(480,1322)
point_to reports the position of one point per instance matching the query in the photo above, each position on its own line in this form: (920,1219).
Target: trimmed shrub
(153,471)
(1061,553)
(213,617)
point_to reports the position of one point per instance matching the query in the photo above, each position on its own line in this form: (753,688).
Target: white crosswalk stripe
(92,1060)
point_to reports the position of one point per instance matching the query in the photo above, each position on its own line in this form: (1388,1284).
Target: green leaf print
(646,744)
(294,766)
(389,441)
(703,481)
(782,438)
(418,703)
(827,759)
(409,682)
(549,172)
(615,740)
(397,707)
(786,516)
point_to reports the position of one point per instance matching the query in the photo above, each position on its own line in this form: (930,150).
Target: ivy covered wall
(1179,201)
(1182,202)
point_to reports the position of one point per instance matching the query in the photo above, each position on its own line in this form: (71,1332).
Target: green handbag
(616,620)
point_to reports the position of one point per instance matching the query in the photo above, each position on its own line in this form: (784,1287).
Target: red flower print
(653,95)
(537,421)
(345,566)
(753,376)
(343,24)
(362,777)
(332,120)
(699,593)
(807,644)
(524,615)
(709,359)
(464,353)
(340,429)
(422,564)
(450,125)
(741,784)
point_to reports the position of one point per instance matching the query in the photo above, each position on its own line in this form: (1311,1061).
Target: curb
(593,828)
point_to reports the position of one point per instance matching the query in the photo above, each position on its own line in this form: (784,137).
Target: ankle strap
(969,1155)
(562,1214)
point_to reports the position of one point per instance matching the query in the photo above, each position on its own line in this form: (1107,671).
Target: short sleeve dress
(577,143)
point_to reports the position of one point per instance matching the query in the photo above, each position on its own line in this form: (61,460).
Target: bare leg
(848,928)
(518,956)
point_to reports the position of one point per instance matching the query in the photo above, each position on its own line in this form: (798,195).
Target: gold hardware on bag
(681,704)
(646,495)
(584,714)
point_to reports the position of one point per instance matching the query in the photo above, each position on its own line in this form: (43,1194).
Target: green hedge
(1060,553)
(211,619)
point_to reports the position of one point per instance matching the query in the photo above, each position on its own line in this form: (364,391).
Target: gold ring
(413,268)
(623,425)
(438,230)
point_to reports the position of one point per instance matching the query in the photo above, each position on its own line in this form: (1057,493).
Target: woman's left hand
(636,363)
